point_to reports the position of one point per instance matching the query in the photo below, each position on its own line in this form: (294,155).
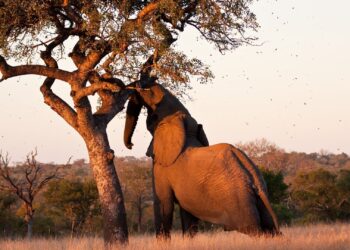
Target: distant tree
(74,200)
(112,43)
(257,147)
(343,186)
(278,194)
(265,153)
(317,196)
(6,201)
(137,185)
(8,221)
(25,181)
(79,163)
(278,190)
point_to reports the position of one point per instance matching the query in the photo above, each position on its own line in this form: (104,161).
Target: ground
(321,236)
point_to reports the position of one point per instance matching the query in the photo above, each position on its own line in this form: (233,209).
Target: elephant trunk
(132,114)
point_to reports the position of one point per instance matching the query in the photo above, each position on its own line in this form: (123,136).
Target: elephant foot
(163,236)
(257,232)
(272,233)
(189,223)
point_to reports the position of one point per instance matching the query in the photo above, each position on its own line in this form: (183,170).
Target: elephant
(218,184)
(151,98)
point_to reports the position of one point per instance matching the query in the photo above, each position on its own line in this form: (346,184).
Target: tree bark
(30,228)
(109,189)
(29,219)
(139,207)
(72,229)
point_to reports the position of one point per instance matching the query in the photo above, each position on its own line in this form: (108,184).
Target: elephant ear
(169,140)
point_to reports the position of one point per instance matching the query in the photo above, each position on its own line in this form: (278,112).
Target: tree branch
(50,98)
(92,89)
(111,92)
(8,71)
(10,182)
(148,9)
(112,104)
(92,59)
(59,106)
(158,53)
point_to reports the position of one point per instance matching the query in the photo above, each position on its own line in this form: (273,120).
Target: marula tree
(114,42)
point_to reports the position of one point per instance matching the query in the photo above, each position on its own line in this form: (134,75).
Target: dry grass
(335,237)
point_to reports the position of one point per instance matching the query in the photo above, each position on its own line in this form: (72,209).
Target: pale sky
(293,90)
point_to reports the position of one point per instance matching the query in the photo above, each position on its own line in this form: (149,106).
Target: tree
(275,185)
(25,183)
(266,154)
(343,186)
(75,200)
(278,194)
(114,42)
(315,194)
(8,221)
(137,184)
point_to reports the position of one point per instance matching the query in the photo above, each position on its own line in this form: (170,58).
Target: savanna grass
(321,236)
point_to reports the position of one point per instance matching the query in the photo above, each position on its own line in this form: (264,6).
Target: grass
(334,236)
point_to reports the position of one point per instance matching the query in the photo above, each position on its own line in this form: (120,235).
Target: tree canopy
(322,195)
(122,38)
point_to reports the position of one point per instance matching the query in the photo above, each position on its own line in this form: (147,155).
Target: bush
(278,194)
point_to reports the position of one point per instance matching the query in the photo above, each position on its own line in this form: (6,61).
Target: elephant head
(168,121)
(149,95)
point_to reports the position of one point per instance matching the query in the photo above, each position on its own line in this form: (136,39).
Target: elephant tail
(266,214)
(269,222)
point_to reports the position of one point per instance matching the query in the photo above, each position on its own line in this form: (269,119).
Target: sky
(293,89)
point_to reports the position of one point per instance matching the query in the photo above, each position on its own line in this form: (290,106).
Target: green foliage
(136,176)
(285,214)
(132,30)
(6,201)
(10,224)
(277,189)
(322,195)
(43,225)
(72,205)
(278,194)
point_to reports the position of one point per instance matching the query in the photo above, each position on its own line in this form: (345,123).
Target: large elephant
(218,183)
(160,103)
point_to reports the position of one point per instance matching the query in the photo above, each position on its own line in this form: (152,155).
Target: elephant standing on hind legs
(218,183)
(160,103)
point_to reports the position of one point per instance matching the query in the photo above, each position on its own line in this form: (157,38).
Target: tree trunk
(139,228)
(30,228)
(28,218)
(109,189)
(72,229)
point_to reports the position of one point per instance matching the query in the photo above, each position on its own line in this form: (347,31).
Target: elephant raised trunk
(132,114)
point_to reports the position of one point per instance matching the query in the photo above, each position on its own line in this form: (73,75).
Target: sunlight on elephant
(218,183)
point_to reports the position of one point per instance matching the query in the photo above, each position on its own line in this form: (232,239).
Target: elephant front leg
(163,205)
(163,215)
(189,223)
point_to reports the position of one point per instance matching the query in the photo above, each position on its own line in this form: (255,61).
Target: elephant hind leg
(245,217)
(267,223)
(189,223)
